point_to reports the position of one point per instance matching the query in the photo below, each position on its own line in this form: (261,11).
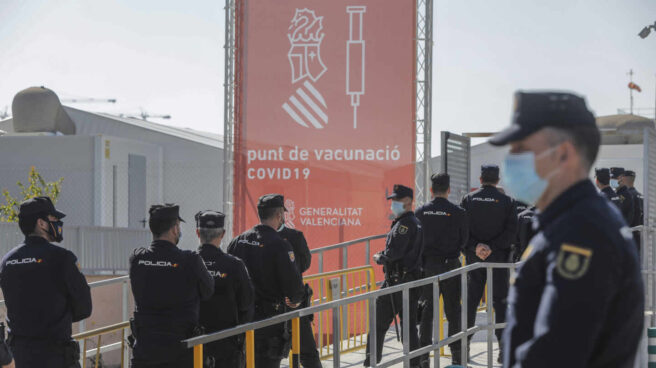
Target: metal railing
(344,249)
(337,306)
(99,349)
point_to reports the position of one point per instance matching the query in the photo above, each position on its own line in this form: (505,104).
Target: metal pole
(464,351)
(250,349)
(436,322)
(125,357)
(228,117)
(405,337)
(373,353)
(490,317)
(336,337)
(296,343)
(198,356)
(367,251)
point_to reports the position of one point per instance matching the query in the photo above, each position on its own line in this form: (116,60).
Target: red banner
(325,113)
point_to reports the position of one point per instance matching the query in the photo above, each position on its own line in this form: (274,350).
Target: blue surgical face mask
(397,208)
(520,178)
(614,183)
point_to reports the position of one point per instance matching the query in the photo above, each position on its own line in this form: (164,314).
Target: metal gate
(648,255)
(456,161)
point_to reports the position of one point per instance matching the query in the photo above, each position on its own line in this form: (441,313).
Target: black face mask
(56,230)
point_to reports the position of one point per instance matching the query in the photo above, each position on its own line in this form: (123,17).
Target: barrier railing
(337,285)
(99,349)
(337,307)
(344,249)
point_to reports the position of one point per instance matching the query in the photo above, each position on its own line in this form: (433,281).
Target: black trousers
(476,287)
(385,316)
(450,291)
(38,355)
(309,355)
(226,353)
(267,345)
(184,360)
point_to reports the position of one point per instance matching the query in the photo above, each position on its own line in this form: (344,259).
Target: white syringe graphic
(355,59)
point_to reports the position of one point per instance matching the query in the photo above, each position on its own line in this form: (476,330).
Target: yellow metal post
(97,352)
(296,343)
(198,356)
(250,349)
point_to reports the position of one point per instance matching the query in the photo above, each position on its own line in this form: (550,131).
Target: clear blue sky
(167,56)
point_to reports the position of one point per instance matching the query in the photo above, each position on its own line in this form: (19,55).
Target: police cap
(616,172)
(401,191)
(603,174)
(271,201)
(166,211)
(441,180)
(209,220)
(536,110)
(39,206)
(490,171)
(630,173)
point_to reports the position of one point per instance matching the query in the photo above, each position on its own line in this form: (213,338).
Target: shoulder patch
(403,229)
(573,261)
(291,256)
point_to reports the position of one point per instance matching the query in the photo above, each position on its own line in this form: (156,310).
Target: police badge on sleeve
(573,261)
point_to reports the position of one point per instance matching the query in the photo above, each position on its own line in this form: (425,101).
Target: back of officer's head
(440,183)
(28,224)
(35,215)
(210,226)
(489,174)
(163,219)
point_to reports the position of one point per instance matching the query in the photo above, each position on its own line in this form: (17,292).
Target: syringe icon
(355,59)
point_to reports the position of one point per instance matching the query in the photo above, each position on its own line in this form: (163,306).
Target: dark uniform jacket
(44,290)
(302,255)
(578,301)
(525,231)
(232,301)
(168,284)
(609,193)
(638,205)
(404,243)
(626,204)
(444,227)
(492,219)
(270,262)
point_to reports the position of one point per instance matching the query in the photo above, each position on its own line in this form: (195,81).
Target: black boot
(500,358)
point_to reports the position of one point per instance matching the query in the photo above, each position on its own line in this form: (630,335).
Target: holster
(279,346)
(132,338)
(307,300)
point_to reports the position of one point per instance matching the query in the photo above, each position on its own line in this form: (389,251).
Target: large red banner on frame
(325,113)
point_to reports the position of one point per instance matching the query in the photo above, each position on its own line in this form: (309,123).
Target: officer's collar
(34,240)
(210,247)
(262,227)
(406,214)
(566,200)
(440,199)
(163,244)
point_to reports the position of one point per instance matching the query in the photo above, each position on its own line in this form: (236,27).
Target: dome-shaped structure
(38,109)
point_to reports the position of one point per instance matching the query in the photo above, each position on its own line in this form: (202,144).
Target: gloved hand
(380,258)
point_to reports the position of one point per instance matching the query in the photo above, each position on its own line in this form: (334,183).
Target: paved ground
(393,349)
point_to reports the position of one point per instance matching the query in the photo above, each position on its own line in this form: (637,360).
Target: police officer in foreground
(309,355)
(626,198)
(628,179)
(602,181)
(168,284)
(578,299)
(278,284)
(445,233)
(232,302)
(44,291)
(402,263)
(492,230)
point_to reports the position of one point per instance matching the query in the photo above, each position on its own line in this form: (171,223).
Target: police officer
(277,282)
(232,302)
(628,179)
(309,355)
(578,299)
(445,233)
(525,232)
(402,263)
(168,284)
(626,198)
(602,180)
(492,230)
(44,291)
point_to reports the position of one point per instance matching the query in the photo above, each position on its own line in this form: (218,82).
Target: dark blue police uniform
(578,300)
(626,198)
(168,284)
(309,355)
(44,293)
(232,301)
(270,263)
(638,205)
(402,263)
(445,231)
(525,232)
(492,221)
